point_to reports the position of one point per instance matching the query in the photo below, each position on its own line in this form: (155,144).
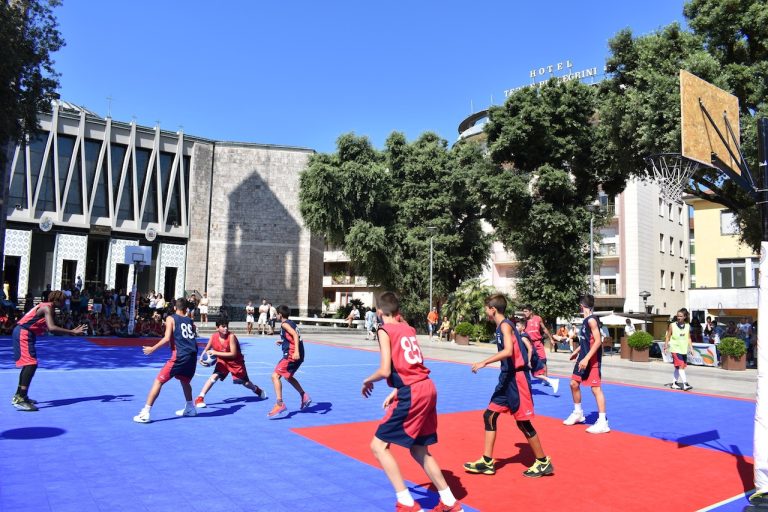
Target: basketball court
(82,451)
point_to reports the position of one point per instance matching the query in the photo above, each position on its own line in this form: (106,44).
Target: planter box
(734,363)
(461,340)
(625,348)
(639,356)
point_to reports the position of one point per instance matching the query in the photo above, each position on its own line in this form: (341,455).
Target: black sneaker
(687,387)
(675,385)
(540,469)
(23,404)
(481,467)
(759,499)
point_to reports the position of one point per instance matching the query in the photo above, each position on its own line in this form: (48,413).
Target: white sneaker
(574,418)
(600,427)
(555,383)
(142,417)
(187,411)
(262,394)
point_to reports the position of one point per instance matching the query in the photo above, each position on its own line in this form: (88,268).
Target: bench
(331,322)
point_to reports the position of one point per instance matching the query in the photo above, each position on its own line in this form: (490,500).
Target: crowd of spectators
(105,312)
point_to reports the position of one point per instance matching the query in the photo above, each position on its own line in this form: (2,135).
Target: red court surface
(606,472)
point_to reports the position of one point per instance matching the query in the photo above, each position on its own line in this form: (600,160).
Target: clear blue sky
(302,73)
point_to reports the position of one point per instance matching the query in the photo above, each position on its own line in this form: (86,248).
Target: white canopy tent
(618,320)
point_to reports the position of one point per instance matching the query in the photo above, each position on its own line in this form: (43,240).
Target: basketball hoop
(672,172)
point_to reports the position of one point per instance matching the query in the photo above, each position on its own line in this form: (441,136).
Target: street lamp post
(644,295)
(431,230)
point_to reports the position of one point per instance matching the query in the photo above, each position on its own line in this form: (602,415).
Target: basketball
(207,360)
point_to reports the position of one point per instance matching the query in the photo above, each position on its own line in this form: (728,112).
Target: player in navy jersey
(411,408)
(180,333)
(587,369)
(36,321)
(512,394)
(293,356)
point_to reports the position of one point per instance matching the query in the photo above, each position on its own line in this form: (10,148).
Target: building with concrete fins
(219,216)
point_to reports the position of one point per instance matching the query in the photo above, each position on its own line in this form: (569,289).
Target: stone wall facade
(247,240)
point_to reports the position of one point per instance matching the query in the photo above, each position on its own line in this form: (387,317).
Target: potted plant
(462,333)
(640,342)
(734,354)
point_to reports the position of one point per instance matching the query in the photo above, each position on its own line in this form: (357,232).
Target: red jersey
(407,359)
(533,328)
(222,345)
(34,323)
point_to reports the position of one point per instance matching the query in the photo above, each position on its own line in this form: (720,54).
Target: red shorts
(287,367)
(225,368)
(411,418)
(513,395)
(680,360)
(590,376)
(24,347)
(183,369)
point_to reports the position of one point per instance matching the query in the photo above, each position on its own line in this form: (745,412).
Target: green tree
(378,205)
(536,188)
(28,81)
(640,104)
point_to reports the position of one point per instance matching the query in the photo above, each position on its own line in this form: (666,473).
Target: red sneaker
(276,410)
(399,507)
(200,403)
(442,507)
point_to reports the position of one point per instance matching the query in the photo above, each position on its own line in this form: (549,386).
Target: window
(731,273)
(728,225)
(669,212)
(671,246)
(755,271)
(681,248)
(661,242)
(661,207)
(663,280)
(608,286)
(680,215)
(672,281)
(682,282)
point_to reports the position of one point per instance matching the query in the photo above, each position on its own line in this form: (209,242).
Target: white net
(671,171)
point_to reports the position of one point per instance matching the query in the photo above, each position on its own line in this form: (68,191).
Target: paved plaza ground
(667,450)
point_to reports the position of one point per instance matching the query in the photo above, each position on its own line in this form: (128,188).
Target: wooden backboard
(699,138)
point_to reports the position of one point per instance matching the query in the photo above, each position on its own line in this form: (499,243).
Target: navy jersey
(585,339)
(184,337)
(289,345)
(517,357)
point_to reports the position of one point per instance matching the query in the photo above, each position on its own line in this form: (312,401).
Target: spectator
(629,329)
(370,324)
(353,315)
(272,318)
(708,330)
(79,283)
(444,330)
(432,318)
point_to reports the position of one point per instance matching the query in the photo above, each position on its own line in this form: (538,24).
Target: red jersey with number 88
(407,359)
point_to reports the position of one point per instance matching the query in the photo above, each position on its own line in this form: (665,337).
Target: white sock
(677,374)
(601,417)
(405,498)
(201,395)
(682,376)
(446,496)
(146,408)
(577,408)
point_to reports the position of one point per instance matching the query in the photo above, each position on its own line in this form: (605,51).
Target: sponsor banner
(704,354)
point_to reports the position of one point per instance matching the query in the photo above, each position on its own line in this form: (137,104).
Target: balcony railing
(344,280)
(607,250)
(610,209)
(607,288)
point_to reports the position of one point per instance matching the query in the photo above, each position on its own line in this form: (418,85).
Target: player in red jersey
(293,355)
(411,417)
(229,359)
(512,394)
(36,321)
(534,327)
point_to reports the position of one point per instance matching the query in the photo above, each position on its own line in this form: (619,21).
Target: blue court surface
(82,451)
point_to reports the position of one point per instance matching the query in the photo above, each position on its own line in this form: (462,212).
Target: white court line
(729,500)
